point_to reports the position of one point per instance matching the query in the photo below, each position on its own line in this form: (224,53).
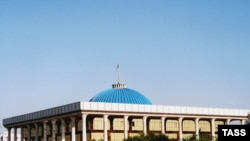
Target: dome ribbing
(120,94)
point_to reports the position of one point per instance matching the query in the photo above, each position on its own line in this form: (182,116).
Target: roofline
(128,108)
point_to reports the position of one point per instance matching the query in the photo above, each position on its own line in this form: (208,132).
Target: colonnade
(84,123)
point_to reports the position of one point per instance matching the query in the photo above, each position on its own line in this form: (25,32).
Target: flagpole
(118,72)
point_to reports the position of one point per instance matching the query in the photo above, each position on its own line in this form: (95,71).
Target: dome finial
(118,84)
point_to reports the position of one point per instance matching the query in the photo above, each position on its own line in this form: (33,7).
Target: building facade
(116,114)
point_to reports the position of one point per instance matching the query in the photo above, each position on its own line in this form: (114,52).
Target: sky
(180,53)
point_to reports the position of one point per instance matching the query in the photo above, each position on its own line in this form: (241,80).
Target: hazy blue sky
(183,53)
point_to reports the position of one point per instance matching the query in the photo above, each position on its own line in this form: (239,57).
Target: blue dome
(120,95)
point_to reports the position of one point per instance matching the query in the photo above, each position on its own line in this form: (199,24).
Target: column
(125,126)
(197,128)
(45,130)
(163,125)
(180,128)
(28,127)
(36,132)
(9,134)
(62,130)
(145,125)
(53,130)
(84,125)
(15,135)
(212,127)
(228,121)
(242,121)
(21,133)
(105,122)
(73,129)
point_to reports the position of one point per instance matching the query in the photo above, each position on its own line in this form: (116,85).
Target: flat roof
(128,108)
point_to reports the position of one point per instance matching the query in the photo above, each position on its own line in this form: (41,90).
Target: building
(118,113)
(4,136)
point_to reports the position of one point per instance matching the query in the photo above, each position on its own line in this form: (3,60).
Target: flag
(117,67)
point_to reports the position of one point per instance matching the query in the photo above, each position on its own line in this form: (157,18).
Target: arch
(235,122)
